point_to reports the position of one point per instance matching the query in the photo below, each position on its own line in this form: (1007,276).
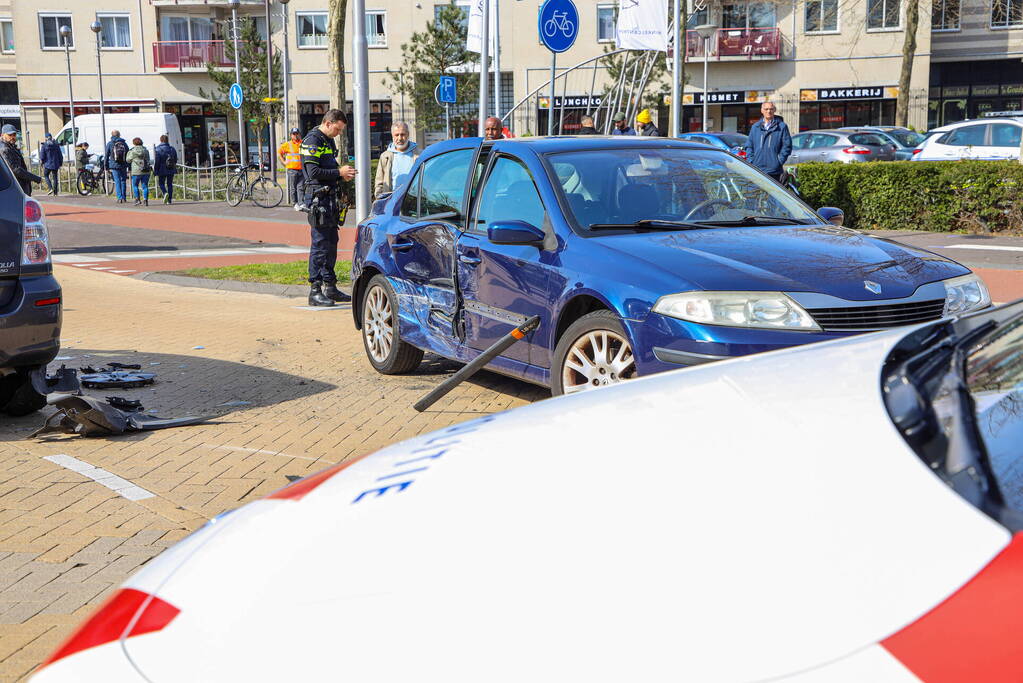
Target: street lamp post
(706,32)
(97,28)
(676,71)
(65,33)
(242,146)
(270,90)
(287,115)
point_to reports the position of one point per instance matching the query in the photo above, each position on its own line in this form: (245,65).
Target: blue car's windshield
(627,185)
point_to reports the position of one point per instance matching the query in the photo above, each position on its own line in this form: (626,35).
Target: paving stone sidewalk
(291,392)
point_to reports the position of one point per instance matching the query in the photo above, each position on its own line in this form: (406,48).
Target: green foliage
(252,63)
(440,49)
(292,273)
(939,196)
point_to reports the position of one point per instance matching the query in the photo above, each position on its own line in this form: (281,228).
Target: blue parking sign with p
(236,96)
(448,90)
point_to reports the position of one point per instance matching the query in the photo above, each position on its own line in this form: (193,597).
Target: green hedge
(940,196)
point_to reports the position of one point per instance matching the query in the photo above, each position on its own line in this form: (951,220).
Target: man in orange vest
(290,154)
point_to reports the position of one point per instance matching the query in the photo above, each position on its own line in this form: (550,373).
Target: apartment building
(826,63)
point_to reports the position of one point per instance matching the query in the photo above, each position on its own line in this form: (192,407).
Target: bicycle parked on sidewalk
(264,191)
(90,180)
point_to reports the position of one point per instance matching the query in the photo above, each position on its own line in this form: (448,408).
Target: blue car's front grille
(860,318)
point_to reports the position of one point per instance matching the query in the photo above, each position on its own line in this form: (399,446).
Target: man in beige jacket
(396,162)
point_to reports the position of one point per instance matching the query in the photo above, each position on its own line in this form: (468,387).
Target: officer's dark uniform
(16,162)
(321,170)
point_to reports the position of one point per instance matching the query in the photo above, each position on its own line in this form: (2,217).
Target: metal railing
(190,54)
(737,42)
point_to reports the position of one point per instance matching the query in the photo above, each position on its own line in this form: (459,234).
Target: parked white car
(836,512)
(992,138)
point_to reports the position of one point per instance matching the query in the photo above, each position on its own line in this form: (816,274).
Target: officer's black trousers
(322,254)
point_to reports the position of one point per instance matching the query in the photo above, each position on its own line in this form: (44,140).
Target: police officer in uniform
(322,175)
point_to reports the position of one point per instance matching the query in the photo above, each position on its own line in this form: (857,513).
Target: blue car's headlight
(771,310)
(965,293)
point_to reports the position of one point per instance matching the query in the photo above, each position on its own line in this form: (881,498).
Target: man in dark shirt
(15,161)
(322,176)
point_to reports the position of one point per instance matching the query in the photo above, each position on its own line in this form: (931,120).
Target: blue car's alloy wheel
(385,349)
(594,352)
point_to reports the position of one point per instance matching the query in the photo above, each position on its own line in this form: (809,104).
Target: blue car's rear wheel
(386,351)
(593,352)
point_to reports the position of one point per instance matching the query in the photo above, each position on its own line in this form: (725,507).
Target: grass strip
(293,273)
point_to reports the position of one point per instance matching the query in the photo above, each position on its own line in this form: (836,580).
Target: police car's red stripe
(976,634)
(109,622)
(297,490)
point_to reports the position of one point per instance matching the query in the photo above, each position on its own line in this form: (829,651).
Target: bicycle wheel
(236,189)
(266,193)
(85,184)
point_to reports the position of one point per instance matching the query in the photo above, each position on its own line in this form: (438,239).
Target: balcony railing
(190,54)
(763,43)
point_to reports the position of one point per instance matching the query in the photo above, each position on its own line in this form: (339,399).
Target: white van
(149,127)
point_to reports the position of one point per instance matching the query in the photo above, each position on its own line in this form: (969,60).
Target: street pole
(242,145)
(484,66)
(706,31)
(497,58)
(676,77)
(65,32)
(270,91)
(447,120)
(360,95)
(287,112)
(97,28)
(550,104)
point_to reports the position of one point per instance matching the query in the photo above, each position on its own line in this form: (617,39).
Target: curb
(226,285)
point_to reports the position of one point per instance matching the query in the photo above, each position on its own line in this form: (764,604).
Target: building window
(116,31)
(312,29)
(822,16)
(376,28)
(945,15)
(605,23)
(184,28)
(884,14)
(1006,13)
(463,6)
(7,35)
(749,15)
(49,31)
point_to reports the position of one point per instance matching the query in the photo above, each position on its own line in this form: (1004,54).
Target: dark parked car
(730,142)
(30,300)
(839,145)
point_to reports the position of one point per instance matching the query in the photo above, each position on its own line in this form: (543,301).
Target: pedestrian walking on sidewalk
(322,176)
(116,162)
(396,161)
(290,154)
(770,142)
(141,168)
(621,126)
(52,158)
(165,165)
(15,161)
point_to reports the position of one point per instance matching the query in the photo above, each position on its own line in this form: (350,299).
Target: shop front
(310,114)
(970,90)
(568,112)
(728,111)
(849,106)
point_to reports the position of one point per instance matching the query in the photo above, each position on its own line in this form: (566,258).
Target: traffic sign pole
(558,24)
(447,119)
(238,79)
(550,103)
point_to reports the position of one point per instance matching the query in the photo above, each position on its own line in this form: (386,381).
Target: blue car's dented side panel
(444,303)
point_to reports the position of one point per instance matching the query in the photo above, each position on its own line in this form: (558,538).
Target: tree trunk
(336,13)
(908,54)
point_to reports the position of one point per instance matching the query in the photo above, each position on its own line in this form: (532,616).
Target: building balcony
(734,44)
(190,55)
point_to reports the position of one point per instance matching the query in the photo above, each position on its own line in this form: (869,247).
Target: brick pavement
(308,398)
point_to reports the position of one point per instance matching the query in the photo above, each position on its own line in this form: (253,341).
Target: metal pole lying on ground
(499,346)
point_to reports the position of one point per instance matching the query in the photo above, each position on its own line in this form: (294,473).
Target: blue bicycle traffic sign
(558,24)
(236,96)
(447,90)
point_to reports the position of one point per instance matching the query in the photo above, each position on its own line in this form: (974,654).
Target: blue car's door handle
(471,260)
(402,246)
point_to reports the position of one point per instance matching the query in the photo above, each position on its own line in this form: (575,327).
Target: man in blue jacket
(769,142)
(52,159)
(116,160)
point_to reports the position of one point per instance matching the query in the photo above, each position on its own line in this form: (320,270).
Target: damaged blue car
(639,255)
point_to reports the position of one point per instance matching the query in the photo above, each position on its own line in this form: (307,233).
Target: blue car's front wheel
(593,352)
(388,354)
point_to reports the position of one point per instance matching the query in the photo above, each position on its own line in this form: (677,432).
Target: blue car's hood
(817,258)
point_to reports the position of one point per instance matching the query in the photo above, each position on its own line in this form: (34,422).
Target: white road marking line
(122,271)
(76,259)
(85,261)
(121,487)
(992,247)
(265,452)
(82,265)
(102,267)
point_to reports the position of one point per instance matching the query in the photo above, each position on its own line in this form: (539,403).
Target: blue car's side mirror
(515,232)
(832,215)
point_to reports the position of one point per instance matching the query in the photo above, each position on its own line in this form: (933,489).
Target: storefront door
(193,138)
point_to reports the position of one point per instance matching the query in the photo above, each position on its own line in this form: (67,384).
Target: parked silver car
(839,145)
(904,139)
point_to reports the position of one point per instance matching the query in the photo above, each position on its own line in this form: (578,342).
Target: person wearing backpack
(165,165)
(116,161)
(138,157)
(52,159)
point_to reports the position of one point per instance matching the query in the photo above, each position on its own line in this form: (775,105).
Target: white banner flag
(474,34)
(643,25)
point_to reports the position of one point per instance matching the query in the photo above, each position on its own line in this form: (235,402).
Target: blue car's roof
(570,143)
